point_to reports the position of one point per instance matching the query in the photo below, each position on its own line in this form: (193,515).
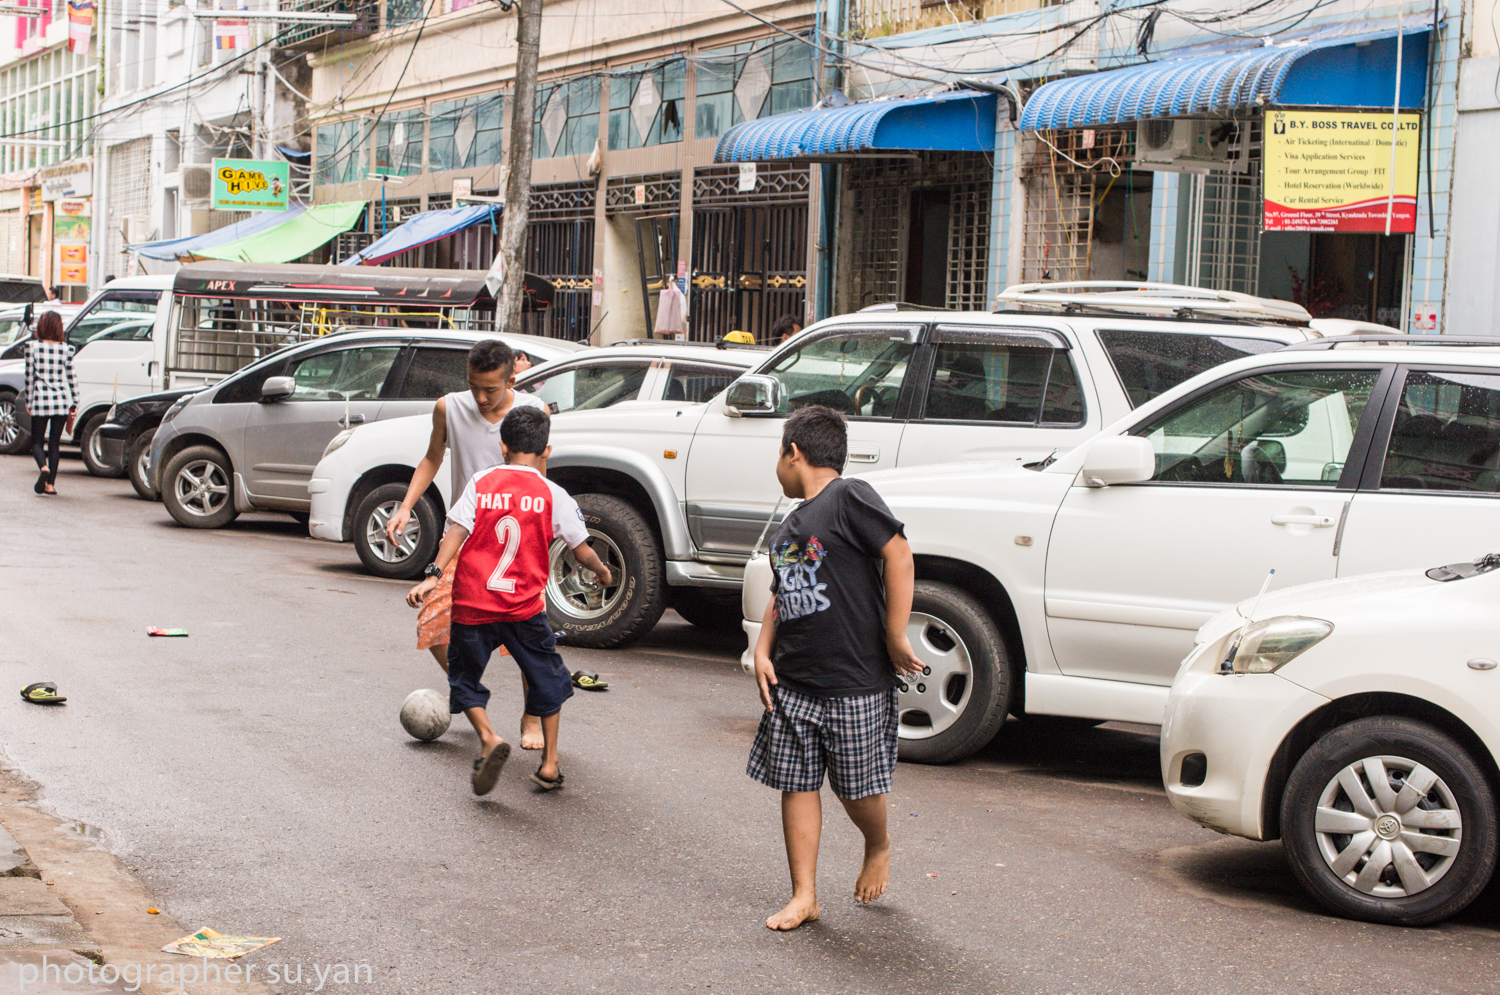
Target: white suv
(1074,588)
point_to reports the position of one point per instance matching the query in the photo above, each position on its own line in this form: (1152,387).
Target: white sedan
(1358,720)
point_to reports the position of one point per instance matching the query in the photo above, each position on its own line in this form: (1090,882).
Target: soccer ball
(424,714)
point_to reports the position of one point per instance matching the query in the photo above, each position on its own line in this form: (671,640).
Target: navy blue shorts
(532,645)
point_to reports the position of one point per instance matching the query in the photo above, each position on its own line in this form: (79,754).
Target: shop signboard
(250,185)
(1330,171)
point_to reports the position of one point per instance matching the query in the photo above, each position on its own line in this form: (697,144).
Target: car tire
(418,546)
(707,608)
(198,488)
(91,448)
(13,438)
(960,702)
(135,464)
(632,604)
(1362,874)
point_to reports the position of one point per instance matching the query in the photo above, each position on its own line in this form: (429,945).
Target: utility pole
(518,170)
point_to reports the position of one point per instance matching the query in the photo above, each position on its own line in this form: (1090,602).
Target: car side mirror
(1119,459)
(753,395)
(278,388)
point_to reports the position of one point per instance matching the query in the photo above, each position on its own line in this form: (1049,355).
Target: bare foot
(797,912)
(872,876)
(531,733)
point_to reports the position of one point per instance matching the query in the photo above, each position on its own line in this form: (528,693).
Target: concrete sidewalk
(74,920)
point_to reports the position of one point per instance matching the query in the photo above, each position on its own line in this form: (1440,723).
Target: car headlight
(337,442)
(176,408)
(1265,647)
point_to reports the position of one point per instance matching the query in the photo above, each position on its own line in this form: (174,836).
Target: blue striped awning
(1345,71)
(960,121)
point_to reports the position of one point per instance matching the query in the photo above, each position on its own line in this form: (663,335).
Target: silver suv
(250,442)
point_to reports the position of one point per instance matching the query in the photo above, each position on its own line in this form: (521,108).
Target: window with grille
(646,108)
(749,81)
(464,134)
(398,143)
(567,118)
(338,152)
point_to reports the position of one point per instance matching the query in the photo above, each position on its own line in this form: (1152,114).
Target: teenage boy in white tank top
(466,424)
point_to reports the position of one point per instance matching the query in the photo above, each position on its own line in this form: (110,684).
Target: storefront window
(567,118)
(338,150)
(398,143)
(466,133)
(749,81)
(646,108)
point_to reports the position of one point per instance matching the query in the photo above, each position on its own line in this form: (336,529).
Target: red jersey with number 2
(512,514)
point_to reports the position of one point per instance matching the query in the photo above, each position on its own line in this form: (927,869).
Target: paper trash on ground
(207,943)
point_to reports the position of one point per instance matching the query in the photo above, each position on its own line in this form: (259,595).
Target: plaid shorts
(854,739)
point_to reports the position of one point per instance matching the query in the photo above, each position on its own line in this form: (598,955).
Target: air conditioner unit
(197,181)
(137,229)
(1182,143)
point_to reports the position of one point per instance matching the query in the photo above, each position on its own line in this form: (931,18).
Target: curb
(62,895)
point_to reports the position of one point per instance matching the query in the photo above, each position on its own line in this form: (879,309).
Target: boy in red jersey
(501,528)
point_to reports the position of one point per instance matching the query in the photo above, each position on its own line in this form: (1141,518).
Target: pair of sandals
(487,771)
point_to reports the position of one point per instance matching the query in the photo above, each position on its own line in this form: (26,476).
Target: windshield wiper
(1463,571)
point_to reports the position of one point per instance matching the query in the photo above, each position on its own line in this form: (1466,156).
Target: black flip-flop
(42,693)
(545,784)
(41,483)
(589,681)
(487,768)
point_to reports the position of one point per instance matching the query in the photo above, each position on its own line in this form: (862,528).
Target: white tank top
(473,443)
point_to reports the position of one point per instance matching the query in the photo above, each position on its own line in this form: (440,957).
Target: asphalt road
(255,776)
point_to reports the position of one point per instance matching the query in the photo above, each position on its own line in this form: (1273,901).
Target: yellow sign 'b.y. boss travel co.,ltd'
(1331,171)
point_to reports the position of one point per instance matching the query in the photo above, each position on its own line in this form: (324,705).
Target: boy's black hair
(821,433)
(491,355)
(526,430)
(783,325)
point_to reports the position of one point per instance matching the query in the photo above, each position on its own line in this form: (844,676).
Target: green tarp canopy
(309,230)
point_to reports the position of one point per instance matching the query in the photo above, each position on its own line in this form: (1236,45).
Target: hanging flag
(231,34)
(80,25)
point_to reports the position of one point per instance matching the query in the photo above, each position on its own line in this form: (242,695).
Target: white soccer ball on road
(425,715)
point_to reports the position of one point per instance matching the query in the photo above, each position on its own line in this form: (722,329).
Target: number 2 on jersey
(508,534)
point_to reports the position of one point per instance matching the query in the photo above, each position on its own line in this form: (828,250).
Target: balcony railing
(305,36)
(882,18)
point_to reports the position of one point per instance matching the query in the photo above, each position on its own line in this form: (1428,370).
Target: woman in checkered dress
(51,395)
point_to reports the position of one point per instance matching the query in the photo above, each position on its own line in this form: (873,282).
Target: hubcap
(381,546)
(10,431)
(202,488)
(575,590)
(96,449)
(934,699)
(1388,827)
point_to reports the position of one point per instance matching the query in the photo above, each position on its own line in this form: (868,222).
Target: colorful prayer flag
(80,25)
(231,34)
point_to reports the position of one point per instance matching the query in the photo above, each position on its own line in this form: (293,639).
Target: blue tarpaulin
(1320,71)
(429,226)
(959,121)
(176,248)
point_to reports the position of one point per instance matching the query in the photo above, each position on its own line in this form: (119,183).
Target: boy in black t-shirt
(825,664)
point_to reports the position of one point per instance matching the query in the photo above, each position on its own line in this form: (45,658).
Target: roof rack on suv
(1399,338)
(1150,298)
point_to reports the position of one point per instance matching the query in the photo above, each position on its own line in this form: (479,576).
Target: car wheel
(961,698)
(1391,821)
(708,608)
(91,446)
(13,438)
(136,454)
(605,617)
(198,488)
(418,545)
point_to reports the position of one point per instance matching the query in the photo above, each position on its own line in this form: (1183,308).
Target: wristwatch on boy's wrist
(432,570)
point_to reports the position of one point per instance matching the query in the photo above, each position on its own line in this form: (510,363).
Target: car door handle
(864,455)
(1316,521)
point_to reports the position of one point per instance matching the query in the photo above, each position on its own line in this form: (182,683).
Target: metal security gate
(881,257)
(1225,212)
(749,251)
(560,248)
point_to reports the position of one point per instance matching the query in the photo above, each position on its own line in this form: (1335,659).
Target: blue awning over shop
(958,121)
(429,226)
(177,248)
(1348,70)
